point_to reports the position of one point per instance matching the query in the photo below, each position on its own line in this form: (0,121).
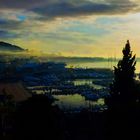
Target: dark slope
(9,47)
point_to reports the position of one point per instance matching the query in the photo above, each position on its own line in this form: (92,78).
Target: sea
(99,64)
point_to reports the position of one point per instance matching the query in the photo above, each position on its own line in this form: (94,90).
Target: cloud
(65,9)
(7,35)
(49,9)
(9,24)
(22,4)
(8,28)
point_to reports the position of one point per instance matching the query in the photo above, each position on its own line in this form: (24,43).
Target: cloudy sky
(71,27)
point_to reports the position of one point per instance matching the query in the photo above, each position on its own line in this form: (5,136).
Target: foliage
(123,88)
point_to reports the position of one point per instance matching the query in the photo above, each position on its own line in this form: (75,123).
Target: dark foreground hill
(9,47)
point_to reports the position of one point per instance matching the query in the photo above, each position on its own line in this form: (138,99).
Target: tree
(37,118)
(122,90)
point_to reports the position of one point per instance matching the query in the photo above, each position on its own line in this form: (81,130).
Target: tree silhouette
(122,116)
(37,118)
(122,90)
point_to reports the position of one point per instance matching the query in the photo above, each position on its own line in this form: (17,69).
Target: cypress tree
(122,90)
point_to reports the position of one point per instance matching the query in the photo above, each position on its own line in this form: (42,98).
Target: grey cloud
(58,8)
(20,4)
(10,24)
(69,9)
(11,28)
(7,34)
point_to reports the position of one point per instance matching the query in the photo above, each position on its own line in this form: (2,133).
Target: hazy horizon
(29,53)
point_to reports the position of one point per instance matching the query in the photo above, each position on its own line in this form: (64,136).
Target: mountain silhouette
(9,47)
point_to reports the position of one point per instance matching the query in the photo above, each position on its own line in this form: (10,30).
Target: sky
(85,28)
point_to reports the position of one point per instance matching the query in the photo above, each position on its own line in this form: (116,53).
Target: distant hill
(9,47)
(81,59)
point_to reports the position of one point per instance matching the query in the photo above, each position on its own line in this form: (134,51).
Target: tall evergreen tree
(122,90)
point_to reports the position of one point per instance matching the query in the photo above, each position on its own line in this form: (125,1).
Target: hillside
(9,47)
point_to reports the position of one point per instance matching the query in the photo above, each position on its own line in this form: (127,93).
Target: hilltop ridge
(4,46)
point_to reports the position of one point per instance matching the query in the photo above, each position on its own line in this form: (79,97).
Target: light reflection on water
(89,82)
(93,64)
(76,101)
(71,102)
(99,64)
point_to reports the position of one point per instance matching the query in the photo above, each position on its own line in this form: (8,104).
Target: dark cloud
(7,34)
(6,24)
(21,4)
(70,9)
(8,28)
(58,8)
